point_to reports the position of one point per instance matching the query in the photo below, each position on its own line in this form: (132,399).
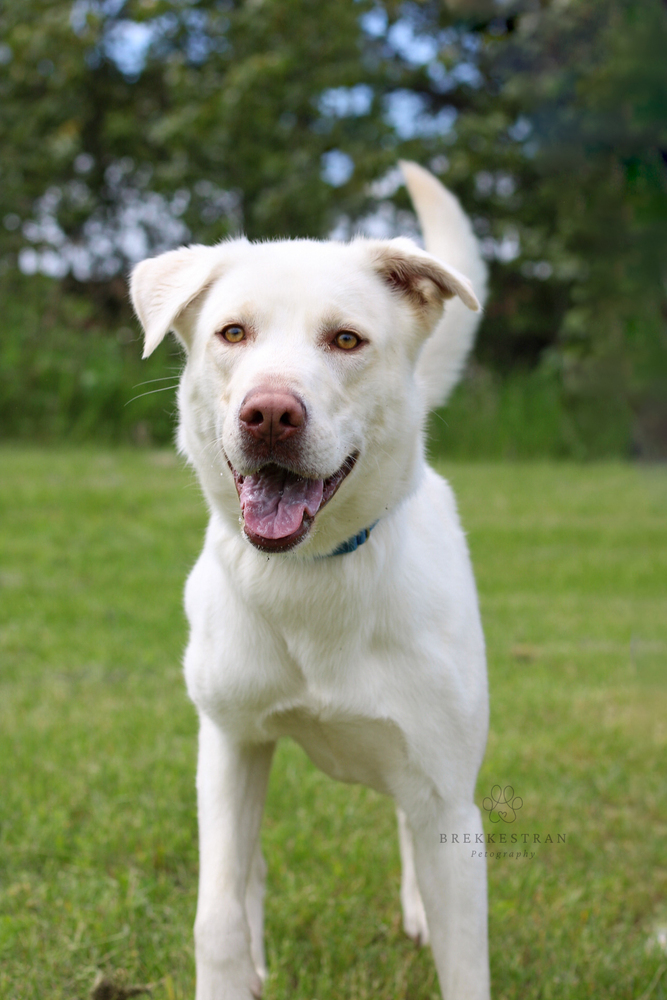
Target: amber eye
(346,341)
(233,333)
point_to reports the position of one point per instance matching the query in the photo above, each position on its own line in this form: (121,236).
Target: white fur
(373,661)
(448,236)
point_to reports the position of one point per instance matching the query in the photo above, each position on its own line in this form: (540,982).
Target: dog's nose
(272,415)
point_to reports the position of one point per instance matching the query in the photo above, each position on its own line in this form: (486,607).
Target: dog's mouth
(279,506)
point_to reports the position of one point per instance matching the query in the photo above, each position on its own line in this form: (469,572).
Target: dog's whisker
(165,388)
(213,447)
(166,378)
(389,455)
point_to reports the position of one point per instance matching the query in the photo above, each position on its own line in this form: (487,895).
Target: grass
(97,740)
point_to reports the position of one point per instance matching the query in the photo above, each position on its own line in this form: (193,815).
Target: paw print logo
(502,804)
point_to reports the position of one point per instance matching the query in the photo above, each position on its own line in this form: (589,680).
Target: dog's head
(299,384)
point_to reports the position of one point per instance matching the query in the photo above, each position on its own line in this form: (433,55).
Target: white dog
(334,600)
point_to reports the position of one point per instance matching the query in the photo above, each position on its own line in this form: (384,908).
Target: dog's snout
(272,415)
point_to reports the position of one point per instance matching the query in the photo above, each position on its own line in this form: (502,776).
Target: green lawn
(97,745)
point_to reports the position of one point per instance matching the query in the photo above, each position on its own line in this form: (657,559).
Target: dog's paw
(414,920)
(228,981)
(257,984)
(262,973)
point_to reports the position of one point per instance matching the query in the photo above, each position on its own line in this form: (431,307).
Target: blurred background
(128,127)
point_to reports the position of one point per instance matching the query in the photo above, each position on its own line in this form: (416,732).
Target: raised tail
(448,235)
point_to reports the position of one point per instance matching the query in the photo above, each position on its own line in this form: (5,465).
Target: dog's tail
(448,235)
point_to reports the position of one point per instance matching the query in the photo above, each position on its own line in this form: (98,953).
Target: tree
(127,126)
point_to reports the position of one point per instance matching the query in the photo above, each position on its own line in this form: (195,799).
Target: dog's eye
(233,333)
(346,340)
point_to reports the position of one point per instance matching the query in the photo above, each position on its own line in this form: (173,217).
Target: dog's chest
(316,673)
(348,748)
(338,704)
(336,712)
(329,654)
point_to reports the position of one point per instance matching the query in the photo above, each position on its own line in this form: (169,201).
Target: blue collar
(352,543)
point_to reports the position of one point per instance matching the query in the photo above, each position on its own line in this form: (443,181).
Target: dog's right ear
(162,287)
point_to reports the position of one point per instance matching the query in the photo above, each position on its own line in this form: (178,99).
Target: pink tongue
(274,501)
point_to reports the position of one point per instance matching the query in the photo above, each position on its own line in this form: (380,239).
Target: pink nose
(272,415)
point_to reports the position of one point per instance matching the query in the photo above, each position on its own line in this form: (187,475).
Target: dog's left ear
(162,287)
(422,279)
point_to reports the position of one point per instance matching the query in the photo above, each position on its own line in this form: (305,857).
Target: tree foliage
(127,126)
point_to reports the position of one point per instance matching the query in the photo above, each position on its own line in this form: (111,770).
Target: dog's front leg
(231,786)
(452,880)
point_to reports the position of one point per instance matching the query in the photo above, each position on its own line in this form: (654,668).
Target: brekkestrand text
(503,838)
